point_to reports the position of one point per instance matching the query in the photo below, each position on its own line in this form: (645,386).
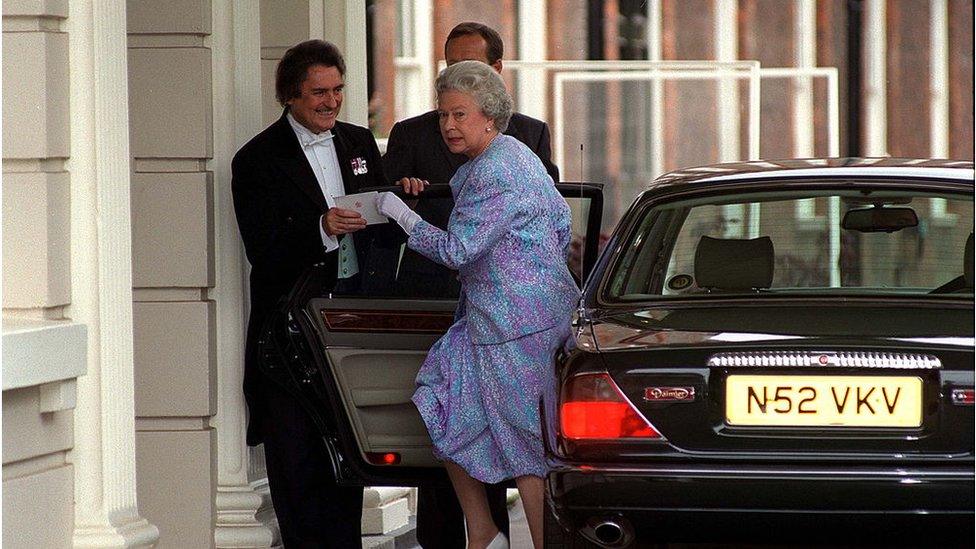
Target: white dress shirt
(321,154)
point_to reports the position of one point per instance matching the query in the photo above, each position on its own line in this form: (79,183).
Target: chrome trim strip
(821,359)
(907,172)
(965,471)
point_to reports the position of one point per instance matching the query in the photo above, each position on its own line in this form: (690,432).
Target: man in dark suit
(415,156)
(284,183)
(416,150)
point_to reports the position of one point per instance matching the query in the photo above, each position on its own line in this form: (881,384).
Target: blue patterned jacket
(508,238)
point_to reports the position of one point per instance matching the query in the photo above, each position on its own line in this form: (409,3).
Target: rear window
(862,241)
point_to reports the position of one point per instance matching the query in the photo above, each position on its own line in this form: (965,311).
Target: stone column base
(138,533)
(237,525)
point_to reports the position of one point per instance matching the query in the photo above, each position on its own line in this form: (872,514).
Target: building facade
(123,274)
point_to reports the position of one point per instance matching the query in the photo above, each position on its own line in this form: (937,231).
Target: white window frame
(532,90)
(414,71)
(657,72)
(654,71)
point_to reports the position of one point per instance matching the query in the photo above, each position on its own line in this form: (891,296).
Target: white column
(236,42)
(415,68)
(654,24)
(343,22)
(423,43)
(654,49)
(875,73)
(939,90)
(726,37)
(316,14)
(356,103)
(106,513)
(939,85)
(533,89)
(805,56)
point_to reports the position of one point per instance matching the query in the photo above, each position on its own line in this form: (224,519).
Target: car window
(389,269)
(777,243)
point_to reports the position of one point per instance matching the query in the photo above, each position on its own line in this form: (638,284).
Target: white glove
(391,206)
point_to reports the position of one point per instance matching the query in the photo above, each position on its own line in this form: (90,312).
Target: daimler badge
(669,394)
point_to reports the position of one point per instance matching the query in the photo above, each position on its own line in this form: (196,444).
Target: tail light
(593,407)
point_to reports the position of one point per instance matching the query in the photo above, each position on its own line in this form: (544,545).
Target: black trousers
(440,521)
(312,510)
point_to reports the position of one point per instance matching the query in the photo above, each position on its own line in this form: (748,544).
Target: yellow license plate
(823,401)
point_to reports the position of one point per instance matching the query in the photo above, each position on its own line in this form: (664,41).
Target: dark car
(774,352)
(759,345)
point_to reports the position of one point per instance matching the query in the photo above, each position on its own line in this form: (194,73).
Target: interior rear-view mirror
(879,219)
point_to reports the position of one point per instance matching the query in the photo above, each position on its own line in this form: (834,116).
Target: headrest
(734,264)
(967,265)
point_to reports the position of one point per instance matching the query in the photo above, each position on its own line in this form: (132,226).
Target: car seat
(730,264)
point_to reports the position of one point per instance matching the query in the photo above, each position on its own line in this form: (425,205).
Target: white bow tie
(314,139)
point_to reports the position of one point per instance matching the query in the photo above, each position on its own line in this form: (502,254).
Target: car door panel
(374,349)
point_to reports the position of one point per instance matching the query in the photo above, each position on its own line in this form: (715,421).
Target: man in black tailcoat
(417,155)
(284,183)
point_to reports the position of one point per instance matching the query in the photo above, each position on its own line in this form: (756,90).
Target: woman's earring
(487,129)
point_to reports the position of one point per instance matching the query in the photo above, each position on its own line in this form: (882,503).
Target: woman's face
(465,129)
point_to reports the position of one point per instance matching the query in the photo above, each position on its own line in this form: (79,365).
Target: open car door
(351,360)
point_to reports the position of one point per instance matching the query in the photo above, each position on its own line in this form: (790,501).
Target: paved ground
(406,538)
(519,527)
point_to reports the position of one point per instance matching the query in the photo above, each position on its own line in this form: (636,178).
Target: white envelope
(365,204)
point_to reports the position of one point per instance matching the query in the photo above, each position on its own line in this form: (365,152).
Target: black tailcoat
(278,203)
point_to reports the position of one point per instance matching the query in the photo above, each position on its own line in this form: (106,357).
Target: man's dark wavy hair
(293,67)
(495,49)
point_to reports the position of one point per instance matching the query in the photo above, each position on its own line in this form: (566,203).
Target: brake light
(593,407)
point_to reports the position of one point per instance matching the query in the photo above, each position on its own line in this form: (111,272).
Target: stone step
(404,537)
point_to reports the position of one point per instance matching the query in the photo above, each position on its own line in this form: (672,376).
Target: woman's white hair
(483,84)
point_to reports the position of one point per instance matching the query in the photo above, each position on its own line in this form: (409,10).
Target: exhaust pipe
(609,531)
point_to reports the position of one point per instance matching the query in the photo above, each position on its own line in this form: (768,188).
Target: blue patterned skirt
(481,402)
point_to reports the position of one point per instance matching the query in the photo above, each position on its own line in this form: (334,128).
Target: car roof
(818,167)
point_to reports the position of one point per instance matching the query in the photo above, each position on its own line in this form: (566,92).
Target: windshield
(863,241)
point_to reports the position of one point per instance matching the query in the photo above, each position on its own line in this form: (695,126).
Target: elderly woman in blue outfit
(508,236)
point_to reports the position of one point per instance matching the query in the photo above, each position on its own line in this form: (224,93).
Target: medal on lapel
(359,166)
